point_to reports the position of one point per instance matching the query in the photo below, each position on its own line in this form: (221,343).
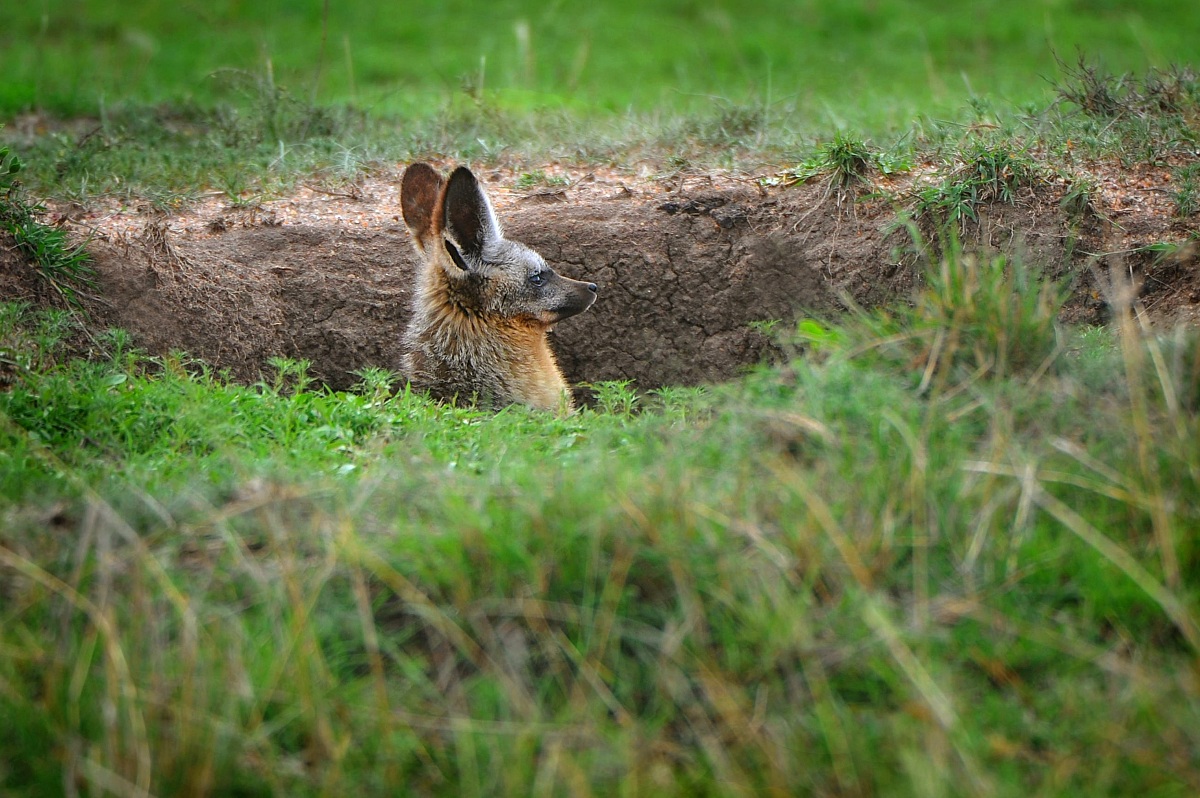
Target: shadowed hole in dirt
(682,281)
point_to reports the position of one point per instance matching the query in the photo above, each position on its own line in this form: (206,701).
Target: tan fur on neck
(513,354)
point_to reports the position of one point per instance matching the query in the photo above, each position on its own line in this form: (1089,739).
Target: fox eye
(538,278)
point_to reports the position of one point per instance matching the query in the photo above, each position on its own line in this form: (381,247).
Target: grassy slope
(947,552)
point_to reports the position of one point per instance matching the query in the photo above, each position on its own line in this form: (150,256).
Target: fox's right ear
(420,191)
(468,216)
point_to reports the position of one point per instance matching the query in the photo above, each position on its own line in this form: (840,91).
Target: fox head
(485,274)
(483,304)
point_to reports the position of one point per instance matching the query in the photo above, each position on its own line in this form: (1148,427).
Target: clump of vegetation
(1143,119)
(31,342)
(1097,92)
(728,124)
(1092,89)
(64,266)
(1078,198)
(984,173)
(977,316)
(1186,193)
(616,397)
(539,177)
(992,315)
(845,161)
(10,165)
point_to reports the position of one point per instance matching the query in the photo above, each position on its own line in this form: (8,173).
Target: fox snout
(576,296)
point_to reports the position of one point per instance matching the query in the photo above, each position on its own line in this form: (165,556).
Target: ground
(686,262)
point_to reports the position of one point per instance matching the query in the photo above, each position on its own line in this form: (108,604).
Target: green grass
(947,549)
(981,174)
(846,61)
(944,550)
(63,265)
(1187,195)
(263,143)
(167,100)
(843,162)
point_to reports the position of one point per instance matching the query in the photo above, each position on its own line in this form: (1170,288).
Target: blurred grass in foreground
(943,550)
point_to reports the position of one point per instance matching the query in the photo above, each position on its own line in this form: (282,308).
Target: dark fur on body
(483,304)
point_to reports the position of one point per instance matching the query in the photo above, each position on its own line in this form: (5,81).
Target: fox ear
(467,214)
(419,193)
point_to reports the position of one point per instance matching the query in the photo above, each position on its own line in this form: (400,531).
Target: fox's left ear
(419,193)
(468,218)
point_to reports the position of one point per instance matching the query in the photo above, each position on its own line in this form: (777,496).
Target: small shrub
(1096,92)
(1173,90)
(266,112)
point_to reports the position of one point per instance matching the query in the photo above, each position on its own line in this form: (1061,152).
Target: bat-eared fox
(482,304)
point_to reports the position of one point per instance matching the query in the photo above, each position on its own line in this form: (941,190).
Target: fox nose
(592,287)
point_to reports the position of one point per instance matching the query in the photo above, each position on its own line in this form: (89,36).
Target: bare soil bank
(685,264)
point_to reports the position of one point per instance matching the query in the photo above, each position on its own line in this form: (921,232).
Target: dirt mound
(685,267)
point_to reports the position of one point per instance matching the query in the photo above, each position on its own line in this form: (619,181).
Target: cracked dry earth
(685,263)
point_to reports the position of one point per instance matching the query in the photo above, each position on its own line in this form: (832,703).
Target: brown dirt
(685,264)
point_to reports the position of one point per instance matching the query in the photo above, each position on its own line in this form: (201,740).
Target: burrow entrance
(686,267)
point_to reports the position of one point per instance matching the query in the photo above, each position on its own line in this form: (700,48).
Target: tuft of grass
(31,342)
(988,315)
(615,397)
(977,317)
(727,125)
(983,174)
(846,161)
(1093,89)
(539,177)
(1079,198)
(1146,118)
(1097,92)
(65,267)
(1186,191)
